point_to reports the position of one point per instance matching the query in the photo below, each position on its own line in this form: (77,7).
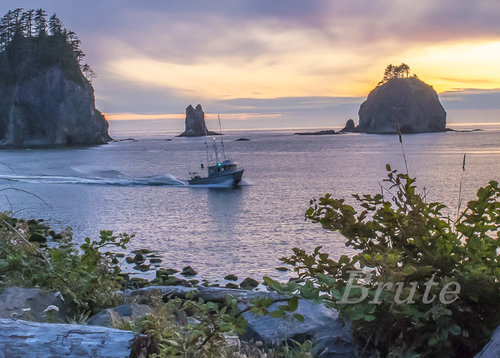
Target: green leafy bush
(403,240)
(87,277)
(191,327)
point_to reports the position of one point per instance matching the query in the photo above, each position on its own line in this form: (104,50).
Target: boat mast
(206,146)
(221,139)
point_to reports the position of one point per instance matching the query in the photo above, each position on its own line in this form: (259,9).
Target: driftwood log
(31,339)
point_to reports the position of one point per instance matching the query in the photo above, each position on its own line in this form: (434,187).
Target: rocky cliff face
(44,97)
(195,123)
(408,102)
(50,109)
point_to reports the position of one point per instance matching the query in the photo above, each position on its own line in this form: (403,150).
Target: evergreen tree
(55,44)
(41,23)
(8,27)
(55,25)
(16,19)
(401,71)
(74,44)
(27,22)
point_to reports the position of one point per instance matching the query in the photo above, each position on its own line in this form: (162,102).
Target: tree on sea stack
(401,71)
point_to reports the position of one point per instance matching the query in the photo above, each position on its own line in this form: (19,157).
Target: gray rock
(43,340)
(32,304)
(249,283)
(139,258)
(325,132)
(349,127)
(188,271)
(492,349)
(144,294)
(232,285)
(321,325)
(117,316)
(49,107)
(195,123)
(408,102)
(212,294)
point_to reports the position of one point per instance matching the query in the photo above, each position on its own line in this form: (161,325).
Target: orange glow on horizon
(208,116)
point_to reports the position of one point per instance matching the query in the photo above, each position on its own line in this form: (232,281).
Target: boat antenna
(221,138)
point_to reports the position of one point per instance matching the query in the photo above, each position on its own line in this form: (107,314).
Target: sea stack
(195,123)
(50,109)
(45,99)
(407,102)
(349,126)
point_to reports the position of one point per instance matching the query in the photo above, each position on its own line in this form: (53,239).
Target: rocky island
(400,100)
(46,97)
(195,123)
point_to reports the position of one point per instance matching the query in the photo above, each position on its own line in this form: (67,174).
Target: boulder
(249,283)
(492,349)
(195,123)
(117,316)
(188,271)
(43,340)
(408,102)
(321,325)
(32,304)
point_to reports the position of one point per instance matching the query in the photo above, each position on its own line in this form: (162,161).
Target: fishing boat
(221,168)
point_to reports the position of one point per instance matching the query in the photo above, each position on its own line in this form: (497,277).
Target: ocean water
(139,187)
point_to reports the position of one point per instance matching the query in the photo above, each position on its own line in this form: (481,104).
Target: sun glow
(461,65)
(445,67)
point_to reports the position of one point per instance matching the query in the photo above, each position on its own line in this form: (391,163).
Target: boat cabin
(219,168)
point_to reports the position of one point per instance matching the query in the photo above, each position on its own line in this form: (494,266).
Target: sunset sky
(281,63)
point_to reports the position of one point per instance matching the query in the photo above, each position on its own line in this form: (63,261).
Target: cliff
(408,102)
(44,97)
(195,123)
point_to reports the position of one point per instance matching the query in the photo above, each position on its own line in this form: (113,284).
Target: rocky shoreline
(33,320)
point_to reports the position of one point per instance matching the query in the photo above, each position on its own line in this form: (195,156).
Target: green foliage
(400,238)
(401,71)
(87,277)
(191,327)
(28,43)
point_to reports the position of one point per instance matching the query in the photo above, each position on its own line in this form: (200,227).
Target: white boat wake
(155,180)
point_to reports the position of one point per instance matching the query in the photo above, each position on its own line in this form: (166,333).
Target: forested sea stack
(45,94)
(400,100)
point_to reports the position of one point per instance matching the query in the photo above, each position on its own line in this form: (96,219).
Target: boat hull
(233,177)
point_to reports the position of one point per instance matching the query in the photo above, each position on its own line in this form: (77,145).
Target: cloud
(472,99)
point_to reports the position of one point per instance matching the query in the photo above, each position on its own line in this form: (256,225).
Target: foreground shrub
(408,252)
(87,277)
(190,327)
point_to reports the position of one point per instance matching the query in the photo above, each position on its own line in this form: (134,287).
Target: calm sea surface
(137,187)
